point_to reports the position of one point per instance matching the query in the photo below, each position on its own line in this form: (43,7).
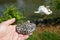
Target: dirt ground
(49,28)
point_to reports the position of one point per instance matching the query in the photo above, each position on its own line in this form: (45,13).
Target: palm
(8,32)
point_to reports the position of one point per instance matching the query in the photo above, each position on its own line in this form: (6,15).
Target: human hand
(8,32)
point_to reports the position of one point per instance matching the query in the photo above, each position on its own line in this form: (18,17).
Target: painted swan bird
(43,10)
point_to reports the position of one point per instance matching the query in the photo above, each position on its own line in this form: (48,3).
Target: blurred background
(48,26)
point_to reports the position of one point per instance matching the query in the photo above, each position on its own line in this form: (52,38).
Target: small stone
(25,28)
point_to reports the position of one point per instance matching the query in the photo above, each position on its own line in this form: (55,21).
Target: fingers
(22,37)
(30,33)
(25,36)
(9,21)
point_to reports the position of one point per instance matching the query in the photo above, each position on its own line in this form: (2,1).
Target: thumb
(8,22)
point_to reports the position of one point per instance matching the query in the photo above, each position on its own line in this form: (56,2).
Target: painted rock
(25,28)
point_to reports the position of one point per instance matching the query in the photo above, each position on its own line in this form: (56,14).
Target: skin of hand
(8,32)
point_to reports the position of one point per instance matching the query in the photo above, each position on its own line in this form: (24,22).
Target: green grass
(44,36)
